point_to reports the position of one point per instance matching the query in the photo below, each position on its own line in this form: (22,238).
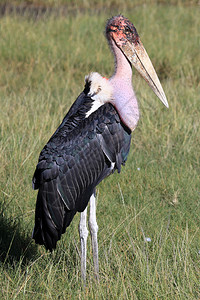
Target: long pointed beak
(139,58)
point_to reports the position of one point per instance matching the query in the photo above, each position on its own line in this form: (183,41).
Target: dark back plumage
(81,153)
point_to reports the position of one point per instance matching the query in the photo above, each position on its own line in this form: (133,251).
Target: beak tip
(162,97)
(165,102)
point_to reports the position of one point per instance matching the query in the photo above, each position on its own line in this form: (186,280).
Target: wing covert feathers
(72,163)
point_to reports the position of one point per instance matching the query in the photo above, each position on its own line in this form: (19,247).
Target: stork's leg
(93,231)
(83,232)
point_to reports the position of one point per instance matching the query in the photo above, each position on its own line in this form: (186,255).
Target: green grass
(79,4)
(43,64)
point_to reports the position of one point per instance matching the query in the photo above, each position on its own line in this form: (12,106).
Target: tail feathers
(51,217)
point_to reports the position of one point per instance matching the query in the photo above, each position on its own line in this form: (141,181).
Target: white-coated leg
(93,231)
(83,232)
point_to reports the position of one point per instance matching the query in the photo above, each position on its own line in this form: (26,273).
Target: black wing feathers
(77,157)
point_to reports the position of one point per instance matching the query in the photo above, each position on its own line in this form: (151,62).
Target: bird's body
(84,150)
(92,142)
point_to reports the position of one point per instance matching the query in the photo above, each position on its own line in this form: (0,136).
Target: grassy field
(157,195)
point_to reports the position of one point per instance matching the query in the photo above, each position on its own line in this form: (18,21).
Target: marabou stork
(92,142)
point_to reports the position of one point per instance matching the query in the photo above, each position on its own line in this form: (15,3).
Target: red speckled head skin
(120,29)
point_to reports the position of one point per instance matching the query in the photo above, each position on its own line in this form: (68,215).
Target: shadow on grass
(17,247)
(15,243)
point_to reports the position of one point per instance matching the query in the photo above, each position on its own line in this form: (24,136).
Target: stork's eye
(99,89)
(127,29)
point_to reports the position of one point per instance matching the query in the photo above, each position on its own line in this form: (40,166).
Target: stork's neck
(125,100)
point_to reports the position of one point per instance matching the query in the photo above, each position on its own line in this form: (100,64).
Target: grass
(157,195)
